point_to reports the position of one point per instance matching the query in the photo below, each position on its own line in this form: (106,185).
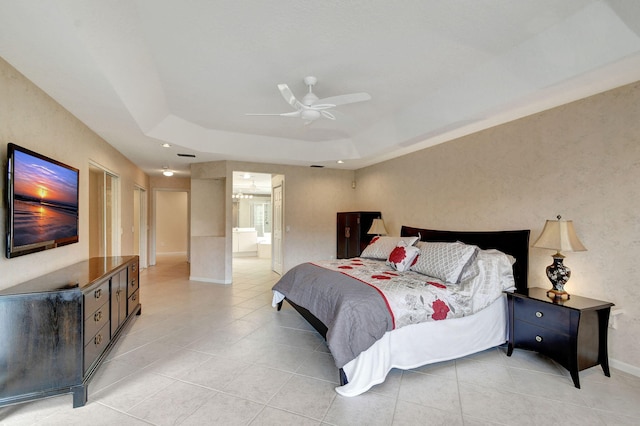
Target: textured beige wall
(580,160)
(30,118)
(172,222)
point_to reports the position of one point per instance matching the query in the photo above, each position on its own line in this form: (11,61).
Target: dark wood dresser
(55,330)
(572,332)
(352,234)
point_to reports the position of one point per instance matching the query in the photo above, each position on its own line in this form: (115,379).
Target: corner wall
(30,118)
(312,197)
(580,160)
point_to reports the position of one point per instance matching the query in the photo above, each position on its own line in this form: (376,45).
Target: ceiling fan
(310,108)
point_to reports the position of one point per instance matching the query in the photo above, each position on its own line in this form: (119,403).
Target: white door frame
(143,227)
(277,220)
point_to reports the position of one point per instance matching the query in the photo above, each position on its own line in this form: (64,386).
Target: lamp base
(558,295)
(558,274)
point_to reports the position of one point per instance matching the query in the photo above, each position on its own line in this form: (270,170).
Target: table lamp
(377,227)
(559,235)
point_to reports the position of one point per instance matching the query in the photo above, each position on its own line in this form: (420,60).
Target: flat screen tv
(42,202)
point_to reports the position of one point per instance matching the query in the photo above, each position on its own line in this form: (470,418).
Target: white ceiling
(144,72)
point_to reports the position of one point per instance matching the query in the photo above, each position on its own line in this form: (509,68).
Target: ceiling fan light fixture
(310,114)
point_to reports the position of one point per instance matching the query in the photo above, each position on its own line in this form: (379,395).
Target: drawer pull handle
(98,339)
(538,339)
(97,293)
(97,316)
(133,283)
(539,314)
(134,297)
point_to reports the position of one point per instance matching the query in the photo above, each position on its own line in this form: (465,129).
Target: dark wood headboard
(515,243)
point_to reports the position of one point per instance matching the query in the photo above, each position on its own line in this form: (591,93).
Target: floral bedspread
(414,298)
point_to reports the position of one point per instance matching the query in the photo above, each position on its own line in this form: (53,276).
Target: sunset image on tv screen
(45,204)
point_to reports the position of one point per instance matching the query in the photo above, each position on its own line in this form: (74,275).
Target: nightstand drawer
(543,314)
(543,340)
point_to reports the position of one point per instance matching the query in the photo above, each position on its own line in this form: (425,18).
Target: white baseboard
(208,280)
(172,253)
(624,367)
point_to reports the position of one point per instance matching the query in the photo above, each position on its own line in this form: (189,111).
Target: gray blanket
(356,315)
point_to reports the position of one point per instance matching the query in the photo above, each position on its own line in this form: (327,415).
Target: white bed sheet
(416,345)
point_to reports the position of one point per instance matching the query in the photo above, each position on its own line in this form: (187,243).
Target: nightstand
(572,332)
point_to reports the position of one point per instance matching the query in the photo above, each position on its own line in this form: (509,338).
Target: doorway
(252,220)
(170,217)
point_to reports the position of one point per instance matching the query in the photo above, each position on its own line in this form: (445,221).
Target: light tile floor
(207,354)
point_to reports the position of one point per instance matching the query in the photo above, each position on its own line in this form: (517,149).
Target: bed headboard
(515,243)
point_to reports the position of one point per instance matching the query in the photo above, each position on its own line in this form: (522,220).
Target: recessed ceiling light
(340,162)
(166,145)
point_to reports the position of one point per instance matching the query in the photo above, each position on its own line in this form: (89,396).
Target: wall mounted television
(42,202)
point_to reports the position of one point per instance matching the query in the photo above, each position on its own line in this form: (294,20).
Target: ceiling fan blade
(319,107)
(327,114)
(288,96)
(284,114)
(345,99)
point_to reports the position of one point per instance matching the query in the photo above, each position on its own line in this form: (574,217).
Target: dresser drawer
(543,314)
(95,321)
(133,285)
(96,297)
(133,301)
(96,346)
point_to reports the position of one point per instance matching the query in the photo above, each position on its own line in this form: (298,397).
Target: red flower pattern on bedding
(398,255)
(345,267)
(381,277)
(440,310)
(436,284)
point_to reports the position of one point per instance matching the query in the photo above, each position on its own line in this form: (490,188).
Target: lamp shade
(377,227)
(559,235)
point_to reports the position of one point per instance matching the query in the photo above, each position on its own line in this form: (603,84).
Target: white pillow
(381,247)
(402,256)
(445,261)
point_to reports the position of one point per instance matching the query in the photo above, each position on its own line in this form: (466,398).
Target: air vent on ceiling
(317,166)
(186,155)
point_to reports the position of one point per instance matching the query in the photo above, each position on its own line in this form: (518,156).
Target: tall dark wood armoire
(352,234)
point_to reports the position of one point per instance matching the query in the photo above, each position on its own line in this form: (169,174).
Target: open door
(104,209)
(277,197)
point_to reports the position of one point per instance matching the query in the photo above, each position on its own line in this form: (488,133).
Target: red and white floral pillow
(381,247)
(402,256)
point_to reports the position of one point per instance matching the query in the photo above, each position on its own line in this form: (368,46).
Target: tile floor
(206,354)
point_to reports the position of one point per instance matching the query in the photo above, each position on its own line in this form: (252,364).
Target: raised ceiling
(144,72)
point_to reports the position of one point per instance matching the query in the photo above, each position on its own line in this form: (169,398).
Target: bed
(375,319)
